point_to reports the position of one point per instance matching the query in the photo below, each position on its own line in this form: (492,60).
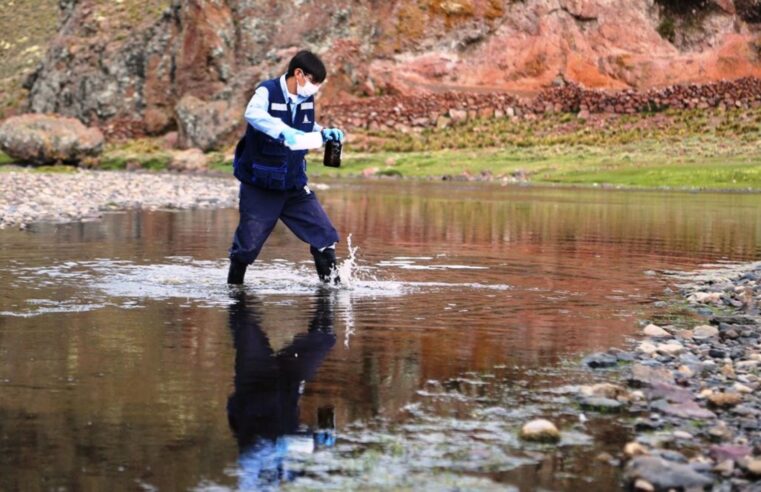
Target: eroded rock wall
(127,73)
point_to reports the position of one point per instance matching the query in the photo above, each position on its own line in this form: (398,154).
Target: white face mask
(307,90)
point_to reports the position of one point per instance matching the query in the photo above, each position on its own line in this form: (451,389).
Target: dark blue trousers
(260,210)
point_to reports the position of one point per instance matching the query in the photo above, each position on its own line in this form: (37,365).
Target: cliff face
(127,65)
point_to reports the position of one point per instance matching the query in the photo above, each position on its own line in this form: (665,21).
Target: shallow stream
(126,362)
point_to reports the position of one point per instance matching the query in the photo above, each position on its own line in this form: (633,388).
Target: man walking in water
(272,172)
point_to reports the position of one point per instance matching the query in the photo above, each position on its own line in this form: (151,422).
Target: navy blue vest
(263,161)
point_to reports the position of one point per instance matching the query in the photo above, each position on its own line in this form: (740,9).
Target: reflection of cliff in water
(263,411)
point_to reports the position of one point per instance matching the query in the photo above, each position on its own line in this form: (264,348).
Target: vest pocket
(270,177)
(274,148)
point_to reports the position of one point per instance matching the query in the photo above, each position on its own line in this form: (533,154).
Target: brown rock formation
(47,139)
(125,66)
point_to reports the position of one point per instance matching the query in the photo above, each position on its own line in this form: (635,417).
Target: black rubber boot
(236,273)
(325,263)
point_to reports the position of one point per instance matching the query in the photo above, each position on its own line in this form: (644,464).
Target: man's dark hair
(310,64)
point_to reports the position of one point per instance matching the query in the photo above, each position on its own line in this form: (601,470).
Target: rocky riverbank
(693,389)
(27,197)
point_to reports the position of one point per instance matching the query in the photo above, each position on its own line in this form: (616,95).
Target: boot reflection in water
(263,411)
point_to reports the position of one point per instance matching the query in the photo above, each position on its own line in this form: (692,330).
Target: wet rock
(752,466)
(600,404)
(724,400)
(540,430)
(600,361)
(647,425)
(705,331)
(655,331)
(685,372)
(671,348)
(647,348)
(717,353)
(687,410)
(747,365)
(670,393)
(47,139)
(642,485)
(664,475)
(605,390)
(604,457)
(633,449)
(683,435)
(671,455)
(725,468)
(729,452)
(645,376)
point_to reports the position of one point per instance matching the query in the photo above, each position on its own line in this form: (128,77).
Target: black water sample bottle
(332,153)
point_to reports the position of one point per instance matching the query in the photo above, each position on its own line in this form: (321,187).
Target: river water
(126,362)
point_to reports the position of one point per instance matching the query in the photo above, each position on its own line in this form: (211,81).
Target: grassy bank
(687,149)
(691,163)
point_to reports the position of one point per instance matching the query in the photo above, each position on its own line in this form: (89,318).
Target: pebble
(633,449)
(705,331)
(540,430)
(605,390)
(27,197)
(682,435)
(725,467)
(670,348)
(600,404)
(600,361)
(643,485)
(723,400)
(664,475)
(753,466)
(741,388)
(647,348)
(656,331)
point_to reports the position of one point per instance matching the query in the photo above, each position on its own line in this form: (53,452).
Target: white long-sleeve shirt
(257,111)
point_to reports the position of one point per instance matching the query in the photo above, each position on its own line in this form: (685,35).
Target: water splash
(110,282)
(347,269)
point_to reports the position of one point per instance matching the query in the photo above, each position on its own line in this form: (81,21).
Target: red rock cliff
(131,73)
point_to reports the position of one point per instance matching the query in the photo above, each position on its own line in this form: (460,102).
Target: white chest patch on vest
(306,119)
(279,107)
(308,105)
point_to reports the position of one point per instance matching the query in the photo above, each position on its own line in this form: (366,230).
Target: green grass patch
(690,163)
(5,159)
(676,149)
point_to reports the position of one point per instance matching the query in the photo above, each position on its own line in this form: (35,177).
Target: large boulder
(206,125)
(47,139)
(190,160)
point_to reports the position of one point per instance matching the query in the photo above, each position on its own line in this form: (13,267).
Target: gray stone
(656,331)
(645,376)
(705,331)
(600,404)
(600,360)
(664,475)
(687,410)
(206,125)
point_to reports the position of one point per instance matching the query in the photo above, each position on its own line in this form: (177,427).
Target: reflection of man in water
(264,409)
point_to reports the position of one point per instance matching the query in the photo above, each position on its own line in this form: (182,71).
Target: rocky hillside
(135,67)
